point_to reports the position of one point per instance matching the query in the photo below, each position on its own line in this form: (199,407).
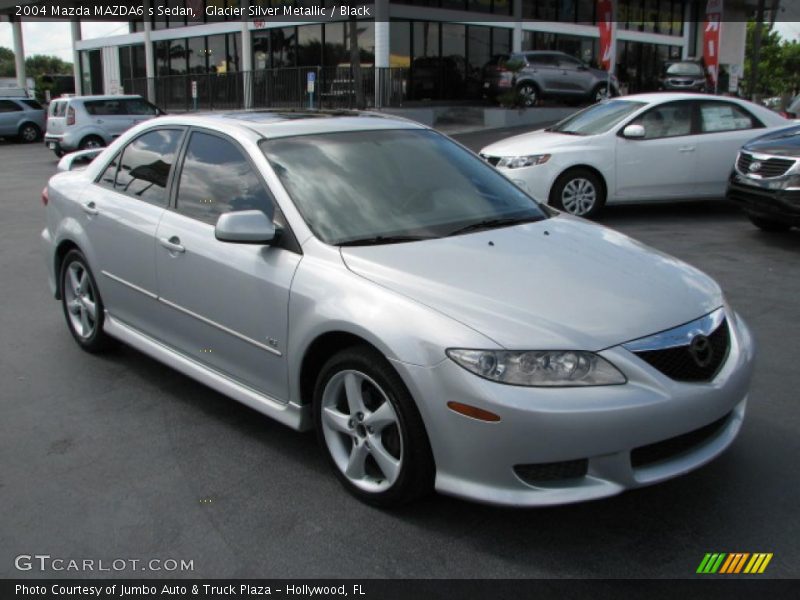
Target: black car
(683,76)
(766,180)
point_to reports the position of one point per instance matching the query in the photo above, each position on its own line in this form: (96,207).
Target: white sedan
(641,148)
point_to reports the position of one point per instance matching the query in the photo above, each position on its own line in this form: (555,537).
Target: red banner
(605,22)
(711,40)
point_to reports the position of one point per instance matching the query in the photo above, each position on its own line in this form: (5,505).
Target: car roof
(103,97)
(283,123)
(664,96)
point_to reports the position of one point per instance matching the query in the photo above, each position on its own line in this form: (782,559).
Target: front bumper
(777,204)
(601,425)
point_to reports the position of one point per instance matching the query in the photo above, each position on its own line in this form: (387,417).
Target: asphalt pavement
(118,456)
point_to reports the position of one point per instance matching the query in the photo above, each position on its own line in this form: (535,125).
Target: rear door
(724,127)
(228,303)
(575,79)
(56,117)
(544,71)
(10,113)
(121,213)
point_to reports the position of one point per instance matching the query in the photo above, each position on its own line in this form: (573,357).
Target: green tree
(6,62)
(41,64)
(778,64)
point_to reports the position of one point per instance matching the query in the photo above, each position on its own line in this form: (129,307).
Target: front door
(662,164)
(227,304)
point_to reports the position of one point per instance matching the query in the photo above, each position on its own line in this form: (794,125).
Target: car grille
(666,449)
(492,160)
(679,363)
(770,167)
(544,472)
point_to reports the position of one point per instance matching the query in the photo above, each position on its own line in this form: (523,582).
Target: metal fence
(334,87)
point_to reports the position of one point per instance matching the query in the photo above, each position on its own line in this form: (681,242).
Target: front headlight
(517,162)
(536,368)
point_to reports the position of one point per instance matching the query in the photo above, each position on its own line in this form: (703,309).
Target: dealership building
(432,50)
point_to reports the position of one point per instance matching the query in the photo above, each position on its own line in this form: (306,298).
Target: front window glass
(216,178)
(393,185)
(145,165)
(598,118)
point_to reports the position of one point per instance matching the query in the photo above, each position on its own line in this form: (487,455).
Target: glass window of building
(335,53)
(502,7)
(196,52)
(501,40)
(400,44)
(217,53)
(585,11)
(309,45)
(426,39)
(546,10)
(484,6)
(284,53)
(261,50)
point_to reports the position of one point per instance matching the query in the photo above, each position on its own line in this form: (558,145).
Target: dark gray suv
(550,74)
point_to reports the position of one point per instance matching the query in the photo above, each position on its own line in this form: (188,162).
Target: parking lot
(121,457)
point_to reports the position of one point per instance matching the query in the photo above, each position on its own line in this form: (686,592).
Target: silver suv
(551,74)
(22,118)
(84,122)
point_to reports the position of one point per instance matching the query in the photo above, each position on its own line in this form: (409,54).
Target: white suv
(83,122)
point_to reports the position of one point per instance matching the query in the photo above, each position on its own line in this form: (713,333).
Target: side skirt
(291,414)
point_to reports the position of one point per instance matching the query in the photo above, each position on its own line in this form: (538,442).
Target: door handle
(172,244)
(99,120)
(90,208)
(686,149)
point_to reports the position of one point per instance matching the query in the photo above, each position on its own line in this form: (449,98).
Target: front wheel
(770,225)
(579,192)
(83,307)
(601,92)
(370,429)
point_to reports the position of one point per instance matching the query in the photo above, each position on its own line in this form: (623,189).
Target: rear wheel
(370,429)
(90,142)
(29,133)
(83,307)
(528,94)
(579,192)
(770,225)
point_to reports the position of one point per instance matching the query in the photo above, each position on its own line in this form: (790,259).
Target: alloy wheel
(362,431)
(579,196)
(29,133)
(80,298)
(527,95)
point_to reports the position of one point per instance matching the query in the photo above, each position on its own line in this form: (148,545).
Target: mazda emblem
(701,350)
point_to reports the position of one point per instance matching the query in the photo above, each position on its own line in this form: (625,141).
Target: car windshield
(597,118)
(685,70)
(387,186)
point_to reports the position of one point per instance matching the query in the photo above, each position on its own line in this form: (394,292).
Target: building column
(149,58)
(516,39)
(75,27)
(247,61)
(382,50)
(19,54)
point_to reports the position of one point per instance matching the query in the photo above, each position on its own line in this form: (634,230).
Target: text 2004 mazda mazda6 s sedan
(369,277)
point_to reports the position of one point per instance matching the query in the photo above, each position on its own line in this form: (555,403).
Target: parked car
(21,118)
(683,76)
(547,74)
(766,180)
(84,122)
(793,108)
(433,329)
(640,148)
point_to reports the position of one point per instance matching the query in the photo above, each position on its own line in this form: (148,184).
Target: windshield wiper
(383,239)
(564,131)
(494,223)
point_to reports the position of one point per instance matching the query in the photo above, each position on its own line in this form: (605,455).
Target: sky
(53,37)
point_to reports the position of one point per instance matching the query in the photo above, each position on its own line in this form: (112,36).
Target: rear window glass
(104,107)
(33,104)
(58,108)
(139,106)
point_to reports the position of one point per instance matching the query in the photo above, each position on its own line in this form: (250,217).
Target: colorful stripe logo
(734,563)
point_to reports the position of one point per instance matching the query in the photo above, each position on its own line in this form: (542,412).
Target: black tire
(579,208)
(527,94)
(97,341)
(59,153)
(29,133)
(766,224)
(91,141)
(416,474)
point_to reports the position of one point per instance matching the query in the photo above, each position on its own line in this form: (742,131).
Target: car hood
(560,283)
(535,141)
(785,142)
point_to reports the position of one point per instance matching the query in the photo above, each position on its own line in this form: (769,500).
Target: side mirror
(635,132)
(246,227)
(78,160)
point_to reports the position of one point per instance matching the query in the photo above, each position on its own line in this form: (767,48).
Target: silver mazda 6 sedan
(370,278)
